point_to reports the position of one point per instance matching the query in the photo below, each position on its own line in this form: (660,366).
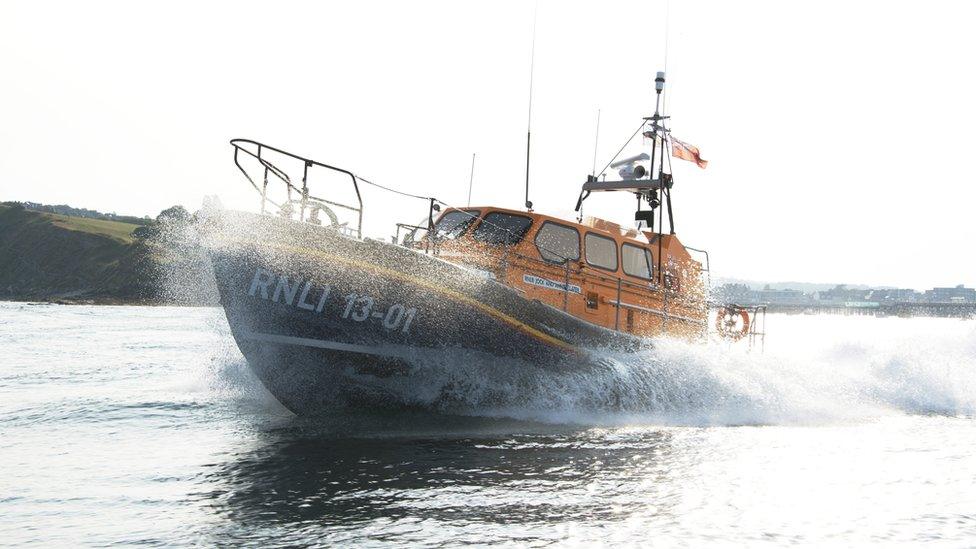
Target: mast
(651,184)
(658,88)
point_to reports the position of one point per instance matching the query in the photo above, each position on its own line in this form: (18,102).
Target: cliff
(53,257)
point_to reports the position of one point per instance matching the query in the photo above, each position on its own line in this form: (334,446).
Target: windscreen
(502,228)
(453,224)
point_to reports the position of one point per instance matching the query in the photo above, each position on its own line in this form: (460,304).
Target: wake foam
(820,369)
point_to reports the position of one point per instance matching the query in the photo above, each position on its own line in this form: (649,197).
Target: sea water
(139,425)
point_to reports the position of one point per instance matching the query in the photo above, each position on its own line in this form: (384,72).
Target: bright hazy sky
(838,133)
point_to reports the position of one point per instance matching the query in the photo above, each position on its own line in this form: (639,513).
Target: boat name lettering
(358,308)
(286,291)
(550,284)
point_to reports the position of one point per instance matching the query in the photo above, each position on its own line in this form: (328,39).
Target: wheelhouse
(642,283)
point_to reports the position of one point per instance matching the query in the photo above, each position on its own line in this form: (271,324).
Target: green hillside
(113,229)
(45,256)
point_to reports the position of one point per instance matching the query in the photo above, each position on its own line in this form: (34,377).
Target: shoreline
(100,302)
(117,302)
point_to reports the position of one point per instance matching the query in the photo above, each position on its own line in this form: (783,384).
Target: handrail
(621,283)
(708,266)
(242,145)
(396,239)
(579,268)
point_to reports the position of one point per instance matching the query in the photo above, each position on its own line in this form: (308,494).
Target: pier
(946,302)
(905,309)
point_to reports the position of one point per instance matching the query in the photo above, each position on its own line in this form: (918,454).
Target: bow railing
(305,201)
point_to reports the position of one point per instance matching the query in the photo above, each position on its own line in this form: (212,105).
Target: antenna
(471,181)
(528,136)
(596,142)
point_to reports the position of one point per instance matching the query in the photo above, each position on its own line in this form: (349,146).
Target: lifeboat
(326,317)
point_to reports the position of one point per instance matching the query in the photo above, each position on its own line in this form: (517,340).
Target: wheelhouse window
(637,261)
(502,228)
(601,251)
(558,243)
(453,224)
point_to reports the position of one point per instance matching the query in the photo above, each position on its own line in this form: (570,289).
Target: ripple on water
(144,426)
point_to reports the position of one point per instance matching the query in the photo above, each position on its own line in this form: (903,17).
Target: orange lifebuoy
(732,322)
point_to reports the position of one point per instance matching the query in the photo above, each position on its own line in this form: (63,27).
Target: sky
(837,133)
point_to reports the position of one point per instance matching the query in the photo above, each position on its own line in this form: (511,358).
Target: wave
(823,369)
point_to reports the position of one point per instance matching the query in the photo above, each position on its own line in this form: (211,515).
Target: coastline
(104,302)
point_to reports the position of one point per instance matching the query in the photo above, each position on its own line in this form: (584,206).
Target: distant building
(841,294)
(892,295)
(959,294)
(787,296)
(744,295)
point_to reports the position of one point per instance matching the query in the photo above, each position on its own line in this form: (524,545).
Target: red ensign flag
(684,151)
